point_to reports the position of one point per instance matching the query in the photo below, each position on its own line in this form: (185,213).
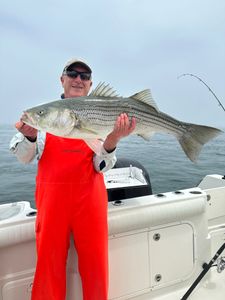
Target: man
(70,197)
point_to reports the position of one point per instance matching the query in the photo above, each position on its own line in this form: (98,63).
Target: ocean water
(162,157)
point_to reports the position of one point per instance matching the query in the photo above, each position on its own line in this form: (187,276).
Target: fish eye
(41,112)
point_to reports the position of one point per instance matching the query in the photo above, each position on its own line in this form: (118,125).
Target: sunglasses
(75,74)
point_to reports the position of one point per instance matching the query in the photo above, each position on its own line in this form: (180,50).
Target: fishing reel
(220,264)
(206,267)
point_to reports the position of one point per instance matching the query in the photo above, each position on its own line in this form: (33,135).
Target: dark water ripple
(162,157)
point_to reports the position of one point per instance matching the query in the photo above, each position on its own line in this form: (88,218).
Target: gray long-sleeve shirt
(26,151)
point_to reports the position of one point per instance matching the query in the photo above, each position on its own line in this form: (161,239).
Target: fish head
(48,118)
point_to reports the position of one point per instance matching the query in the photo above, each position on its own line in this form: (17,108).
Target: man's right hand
(27,131)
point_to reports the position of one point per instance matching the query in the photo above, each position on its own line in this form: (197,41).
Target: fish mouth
(27,119)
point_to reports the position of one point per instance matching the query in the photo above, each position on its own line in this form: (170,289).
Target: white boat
(158,244)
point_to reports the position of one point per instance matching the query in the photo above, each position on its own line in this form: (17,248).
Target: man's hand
(26,130)
(122,128)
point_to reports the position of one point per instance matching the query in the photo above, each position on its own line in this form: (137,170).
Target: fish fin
(104,90)
(193,140)
(146,136)
(95,145)
(145,96)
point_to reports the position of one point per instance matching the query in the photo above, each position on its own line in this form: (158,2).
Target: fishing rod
(206,268)
(189,74)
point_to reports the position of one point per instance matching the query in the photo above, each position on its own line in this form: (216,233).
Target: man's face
(75,87)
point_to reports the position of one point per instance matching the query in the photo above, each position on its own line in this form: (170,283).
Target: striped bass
(94,116)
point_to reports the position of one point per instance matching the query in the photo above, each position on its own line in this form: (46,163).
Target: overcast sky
(131,44)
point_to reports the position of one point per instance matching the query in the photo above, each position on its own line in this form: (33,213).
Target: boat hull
(157,246)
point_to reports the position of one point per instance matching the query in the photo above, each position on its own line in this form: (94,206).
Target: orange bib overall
(70,197)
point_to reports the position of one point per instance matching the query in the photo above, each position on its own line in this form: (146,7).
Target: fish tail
(195,137)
